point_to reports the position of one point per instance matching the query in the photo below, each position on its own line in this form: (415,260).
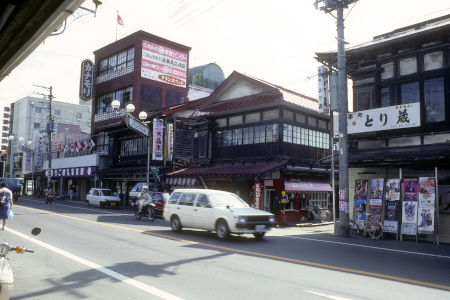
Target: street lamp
(142,128)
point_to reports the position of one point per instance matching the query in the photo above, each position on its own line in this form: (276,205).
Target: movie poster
(375,214)
(410,189)
(393,189)
(426,206)
(360,201)
(377,191)
(391,216)
(444,199)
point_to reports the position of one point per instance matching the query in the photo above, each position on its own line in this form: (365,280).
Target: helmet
(145,187)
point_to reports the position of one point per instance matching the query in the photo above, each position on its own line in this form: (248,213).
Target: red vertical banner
(257,195)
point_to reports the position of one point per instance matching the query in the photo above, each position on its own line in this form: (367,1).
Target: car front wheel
(175,224)
(222,230)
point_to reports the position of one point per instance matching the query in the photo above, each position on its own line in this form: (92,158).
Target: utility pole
(49,129)
(328,7)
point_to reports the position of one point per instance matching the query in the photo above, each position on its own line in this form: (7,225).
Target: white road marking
(327,296)
(142,286)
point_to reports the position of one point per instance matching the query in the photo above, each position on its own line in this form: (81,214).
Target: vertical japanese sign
(163,64)
(360,201)
(426,207)
(257,197)
(324,98)
(376,200)
(170,142)
(86,80)
(385,118)
(409,214)
(392,205)
(158,139)
(40,151)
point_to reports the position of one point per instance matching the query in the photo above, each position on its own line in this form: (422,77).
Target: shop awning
(307,185)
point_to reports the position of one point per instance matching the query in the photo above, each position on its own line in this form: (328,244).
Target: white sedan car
(219,211)
(102,198)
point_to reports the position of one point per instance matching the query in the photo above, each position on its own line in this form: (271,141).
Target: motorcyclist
(142,198)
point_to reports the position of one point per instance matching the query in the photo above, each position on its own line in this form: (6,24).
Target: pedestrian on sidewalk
(6,203)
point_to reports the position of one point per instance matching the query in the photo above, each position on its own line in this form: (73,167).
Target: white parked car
(102,197)
(213,210)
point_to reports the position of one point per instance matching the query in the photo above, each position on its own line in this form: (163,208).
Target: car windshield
(107,193)
(228,199)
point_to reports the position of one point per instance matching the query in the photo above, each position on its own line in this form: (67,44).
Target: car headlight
(272,219)
(242,219)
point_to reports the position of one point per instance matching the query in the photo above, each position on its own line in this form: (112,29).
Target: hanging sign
(87,80)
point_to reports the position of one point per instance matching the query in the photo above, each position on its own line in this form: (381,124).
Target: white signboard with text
(163,64)
(385,118)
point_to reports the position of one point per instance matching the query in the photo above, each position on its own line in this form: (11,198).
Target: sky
(273,40)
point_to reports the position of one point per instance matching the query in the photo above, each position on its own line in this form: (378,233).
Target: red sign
(172,80)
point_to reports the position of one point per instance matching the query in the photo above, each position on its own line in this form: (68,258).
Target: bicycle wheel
(377,231)
(355,229)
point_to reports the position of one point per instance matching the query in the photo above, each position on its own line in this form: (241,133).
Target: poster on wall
(409,213)
(426,206)
(377,191)
(392,205)
(374,214)
(444,199)
(360,201)
(391,216)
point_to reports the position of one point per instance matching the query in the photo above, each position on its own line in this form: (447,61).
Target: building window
(271,114)
(57,113)
(236,120)
(252,118)
(260,134)
(288,115)
(410,93)
(434,100)
(237,137)
(287,133)
(300,118)
(248,135)
(433,61)
(203,144)
(37,125)
(78,116)
(322,124)
(125,97)
(272,134)
(312,121)
(364,100)
(227,136)
(117,61)
(387,70)
(408,66)
(221,122)
(38,110)
(388,96)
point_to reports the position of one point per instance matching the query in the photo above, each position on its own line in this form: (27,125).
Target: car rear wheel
(222,230)
(175,223)
(259,235)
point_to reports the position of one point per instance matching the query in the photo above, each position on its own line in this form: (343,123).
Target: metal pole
(11,158)
(149,139)
(343,138)
(49,133)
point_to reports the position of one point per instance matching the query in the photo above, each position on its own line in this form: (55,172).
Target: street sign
(138,126)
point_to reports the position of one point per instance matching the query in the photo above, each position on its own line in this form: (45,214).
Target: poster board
(392,205)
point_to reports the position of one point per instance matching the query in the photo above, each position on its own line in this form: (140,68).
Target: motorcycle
(148,210)
(6,272)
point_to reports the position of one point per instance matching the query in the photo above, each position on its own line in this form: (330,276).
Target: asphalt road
(93,253)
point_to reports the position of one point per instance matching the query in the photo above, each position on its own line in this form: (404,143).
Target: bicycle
(318,213)
(374,229)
